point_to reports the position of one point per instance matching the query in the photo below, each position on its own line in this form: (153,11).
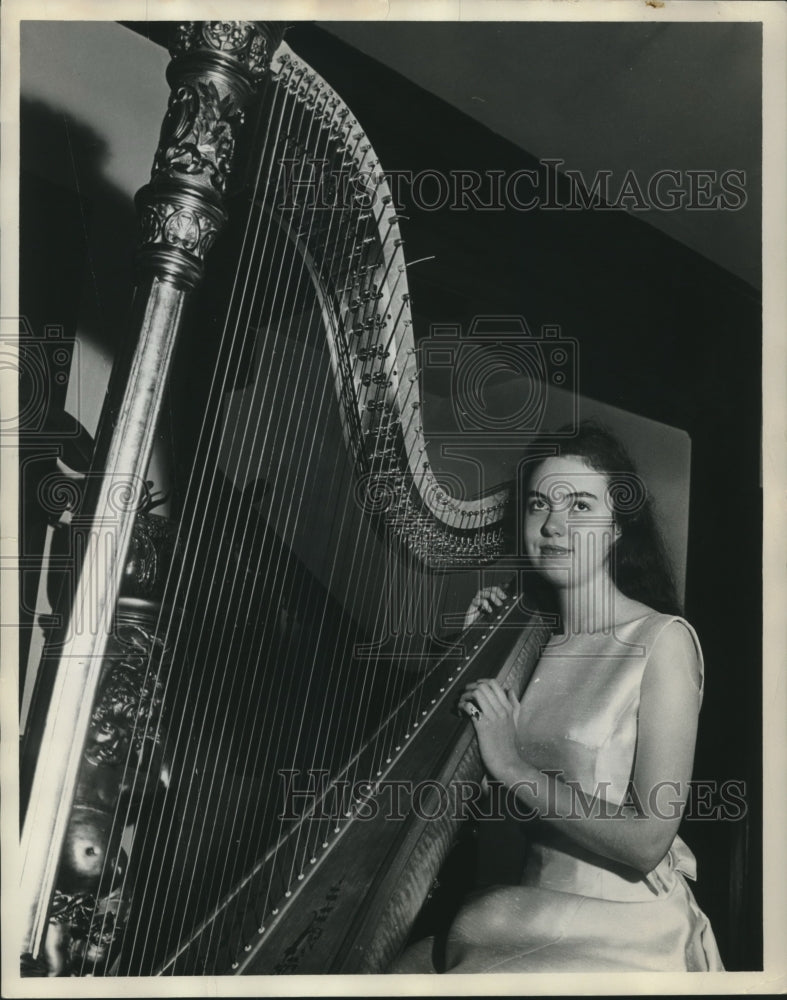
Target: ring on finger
(473,711)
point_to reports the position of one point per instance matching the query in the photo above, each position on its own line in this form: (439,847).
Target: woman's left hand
(495,713)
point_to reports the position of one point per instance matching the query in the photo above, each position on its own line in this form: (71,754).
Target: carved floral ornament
(244,41)
(125,716)
(174,225)
(198,134)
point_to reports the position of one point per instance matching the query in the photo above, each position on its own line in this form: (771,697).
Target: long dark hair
(637,560)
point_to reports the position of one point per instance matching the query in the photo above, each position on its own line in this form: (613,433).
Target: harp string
(136,777)
(231,698)
(394,684)
(336,662)
(178,583)
(291,488)
(370,674)
(296,863)
(248,436)
(287,857)
(392,675)
(338,685)
(338,657)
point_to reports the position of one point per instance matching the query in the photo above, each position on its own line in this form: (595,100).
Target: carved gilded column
(215,69)
(125,763)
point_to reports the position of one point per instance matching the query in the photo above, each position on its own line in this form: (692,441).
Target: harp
(236,681)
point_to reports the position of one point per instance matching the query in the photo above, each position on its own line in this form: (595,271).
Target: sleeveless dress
(575,910)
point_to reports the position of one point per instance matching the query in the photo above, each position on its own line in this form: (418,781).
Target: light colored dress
(575,910)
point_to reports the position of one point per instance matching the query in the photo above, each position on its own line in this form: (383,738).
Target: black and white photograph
(393,474)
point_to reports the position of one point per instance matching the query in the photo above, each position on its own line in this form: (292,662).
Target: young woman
(601,745)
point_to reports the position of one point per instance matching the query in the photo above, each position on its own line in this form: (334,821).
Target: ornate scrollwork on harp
(127,737)
(158,675)
(360,275)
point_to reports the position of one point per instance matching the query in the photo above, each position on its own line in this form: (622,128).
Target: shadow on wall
(78,231)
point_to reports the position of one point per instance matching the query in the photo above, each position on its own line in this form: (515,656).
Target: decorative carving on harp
(248,665)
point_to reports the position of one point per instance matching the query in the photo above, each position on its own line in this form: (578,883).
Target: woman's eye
(581,506)
(535,505)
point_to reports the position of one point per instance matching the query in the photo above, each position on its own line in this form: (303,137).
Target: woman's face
(569,523)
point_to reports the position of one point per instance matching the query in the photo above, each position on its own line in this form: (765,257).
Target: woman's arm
(639,835)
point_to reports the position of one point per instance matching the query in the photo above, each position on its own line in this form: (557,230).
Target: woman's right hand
(485,601)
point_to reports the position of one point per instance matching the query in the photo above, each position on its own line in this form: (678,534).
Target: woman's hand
(485,600)
(495,713)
